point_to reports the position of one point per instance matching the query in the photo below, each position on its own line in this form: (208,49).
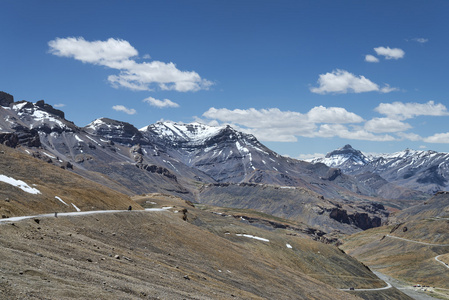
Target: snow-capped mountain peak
(117,131)
(427,171)
(192,133)
(39,116)
(345,156)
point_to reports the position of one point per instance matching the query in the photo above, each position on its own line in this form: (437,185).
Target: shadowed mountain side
(435,207)
(295,203)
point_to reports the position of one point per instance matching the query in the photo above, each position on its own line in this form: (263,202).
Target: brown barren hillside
(179,253)
(46,182)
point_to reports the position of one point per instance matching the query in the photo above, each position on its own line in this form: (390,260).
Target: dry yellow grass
(51,181)
(408,254)
(160,256)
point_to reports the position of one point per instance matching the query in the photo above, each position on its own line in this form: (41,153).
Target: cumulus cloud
(403,111)
(267,124)
(275,125)
(383,125)
(341,81)
(105,53)
(371,58)
(160,103)
(390,53)
(321,114)
(117,54)
(442,138)
(129,111)
(410,136)
(342,131)
(285,126)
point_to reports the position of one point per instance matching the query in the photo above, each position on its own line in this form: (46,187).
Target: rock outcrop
(6,99)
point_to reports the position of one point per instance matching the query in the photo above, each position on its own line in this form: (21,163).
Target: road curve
(442,262)
(366,290)
(418,242)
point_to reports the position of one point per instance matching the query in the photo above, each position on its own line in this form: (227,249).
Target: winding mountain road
(78,213)
(375,289)
(418,242)
(442,262)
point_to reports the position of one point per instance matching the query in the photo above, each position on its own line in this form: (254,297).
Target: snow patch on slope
(20,184)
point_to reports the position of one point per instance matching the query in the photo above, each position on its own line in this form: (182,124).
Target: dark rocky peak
(231,135)
(117,131)
(346,150)
(6,99)
(347,153)
(39,116)
(50,109)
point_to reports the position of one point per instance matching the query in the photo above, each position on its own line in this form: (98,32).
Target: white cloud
(371,58)
(442,138)
(267,124)
(116,54)
(403,111)
(160,103)
(311,156)
(410,136)
(341,81)
(387,89)
(382,125)
(321,114)
(390,53)
(329,122)
(97,52)
(59,105)
(339,130)
(285,126)
(129,111)
(420,40)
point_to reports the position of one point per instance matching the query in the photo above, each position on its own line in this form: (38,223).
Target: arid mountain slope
(435,207)
(406,251)
(30,186)
(181,253)
(298,204)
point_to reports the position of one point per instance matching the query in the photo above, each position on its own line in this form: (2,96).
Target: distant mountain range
(346,191)
(426,171)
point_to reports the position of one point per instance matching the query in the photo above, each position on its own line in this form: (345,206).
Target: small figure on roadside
(56,214)
(130,207)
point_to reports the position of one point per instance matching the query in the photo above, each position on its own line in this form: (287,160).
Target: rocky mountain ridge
(425,171)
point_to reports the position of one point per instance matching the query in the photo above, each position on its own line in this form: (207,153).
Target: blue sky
(305,77)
